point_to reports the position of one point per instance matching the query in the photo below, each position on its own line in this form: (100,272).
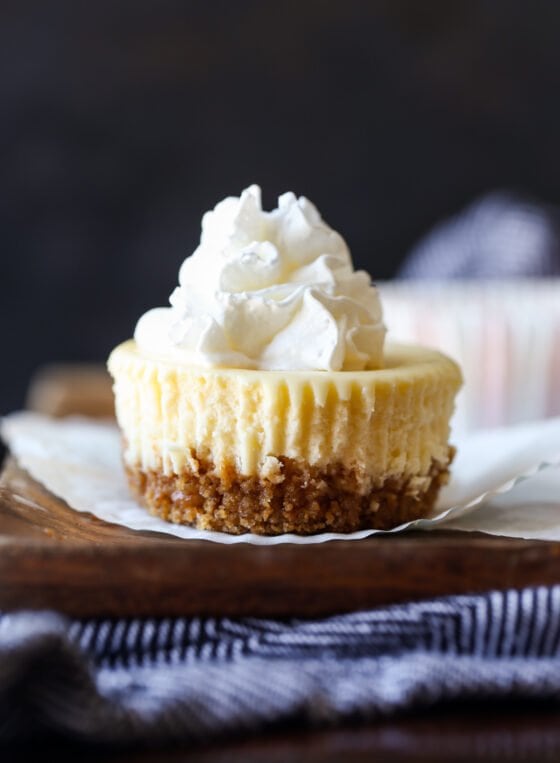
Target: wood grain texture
(63,389)
(53,556)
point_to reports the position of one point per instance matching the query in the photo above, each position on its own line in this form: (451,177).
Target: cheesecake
(273,452)
(266,399)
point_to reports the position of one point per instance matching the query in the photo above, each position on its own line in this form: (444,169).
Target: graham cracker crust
(293,497)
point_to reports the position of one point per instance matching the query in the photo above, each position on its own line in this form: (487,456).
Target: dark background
(123,121)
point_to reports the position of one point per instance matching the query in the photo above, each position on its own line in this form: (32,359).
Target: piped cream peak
(268,290)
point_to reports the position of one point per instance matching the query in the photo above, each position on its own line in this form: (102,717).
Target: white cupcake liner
(505,336)
(79,460)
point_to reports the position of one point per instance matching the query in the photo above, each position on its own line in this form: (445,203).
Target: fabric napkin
(500,235)
(134,681)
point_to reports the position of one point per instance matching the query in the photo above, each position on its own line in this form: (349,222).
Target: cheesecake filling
(388,423)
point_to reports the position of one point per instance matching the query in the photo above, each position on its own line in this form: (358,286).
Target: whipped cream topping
(268,290)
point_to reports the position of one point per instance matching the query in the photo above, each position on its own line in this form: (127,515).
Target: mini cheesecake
(269,452)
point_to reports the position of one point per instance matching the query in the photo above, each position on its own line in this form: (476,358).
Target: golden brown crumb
(290,496)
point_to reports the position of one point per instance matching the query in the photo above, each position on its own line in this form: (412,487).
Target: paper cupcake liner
(79,460)
(505,336)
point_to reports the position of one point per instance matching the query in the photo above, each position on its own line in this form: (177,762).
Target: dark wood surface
(50,556)
(54,556)
(462,733)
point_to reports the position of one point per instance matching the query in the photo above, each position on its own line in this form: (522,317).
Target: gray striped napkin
(500,235)
(190,678)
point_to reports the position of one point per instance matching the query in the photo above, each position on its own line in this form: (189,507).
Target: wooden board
(53,556)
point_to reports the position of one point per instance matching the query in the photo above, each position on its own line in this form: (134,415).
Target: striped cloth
(191,678)
(500,235)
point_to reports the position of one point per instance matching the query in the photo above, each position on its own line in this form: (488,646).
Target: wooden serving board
(54,557)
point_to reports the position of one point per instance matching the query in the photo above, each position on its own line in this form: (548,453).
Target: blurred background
(124,120)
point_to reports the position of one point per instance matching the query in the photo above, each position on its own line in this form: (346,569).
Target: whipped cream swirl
(268,290)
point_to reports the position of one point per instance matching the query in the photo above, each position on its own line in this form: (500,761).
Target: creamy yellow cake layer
(384,423)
